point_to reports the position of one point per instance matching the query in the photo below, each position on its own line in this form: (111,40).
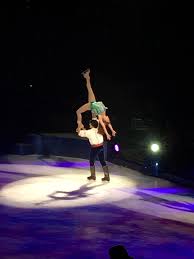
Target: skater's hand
(78,130)
(86,74)
(114,133)
(108,136)
(80,127)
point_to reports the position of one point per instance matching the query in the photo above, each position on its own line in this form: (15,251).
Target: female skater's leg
(91,96)
(83,108)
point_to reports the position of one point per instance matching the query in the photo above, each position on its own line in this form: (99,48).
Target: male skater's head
(93,124)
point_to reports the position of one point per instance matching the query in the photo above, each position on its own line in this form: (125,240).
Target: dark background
(141,57)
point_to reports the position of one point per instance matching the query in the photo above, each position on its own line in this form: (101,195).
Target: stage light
(152,159)
(155,148)
(116,147)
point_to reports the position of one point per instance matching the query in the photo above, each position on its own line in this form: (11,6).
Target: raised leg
(91,96)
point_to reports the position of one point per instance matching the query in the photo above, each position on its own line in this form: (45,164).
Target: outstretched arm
(104,127)
(112,130)
(83,133)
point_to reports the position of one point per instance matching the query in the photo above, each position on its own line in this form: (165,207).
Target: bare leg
(83,108)
(91,96)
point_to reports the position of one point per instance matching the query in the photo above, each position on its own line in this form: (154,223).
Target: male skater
(97,108)
(96,142)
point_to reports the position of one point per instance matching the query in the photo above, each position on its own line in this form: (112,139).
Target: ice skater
(97,149)
(98,109)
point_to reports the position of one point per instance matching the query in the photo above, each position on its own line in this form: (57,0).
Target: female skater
(97,108)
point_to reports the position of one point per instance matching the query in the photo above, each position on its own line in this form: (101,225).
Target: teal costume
(97,108)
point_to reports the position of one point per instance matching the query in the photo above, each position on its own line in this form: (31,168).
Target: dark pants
(97,151)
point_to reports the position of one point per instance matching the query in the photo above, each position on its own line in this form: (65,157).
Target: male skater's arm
(83,133)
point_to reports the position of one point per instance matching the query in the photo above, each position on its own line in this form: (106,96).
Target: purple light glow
(116,147)
(72,164)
